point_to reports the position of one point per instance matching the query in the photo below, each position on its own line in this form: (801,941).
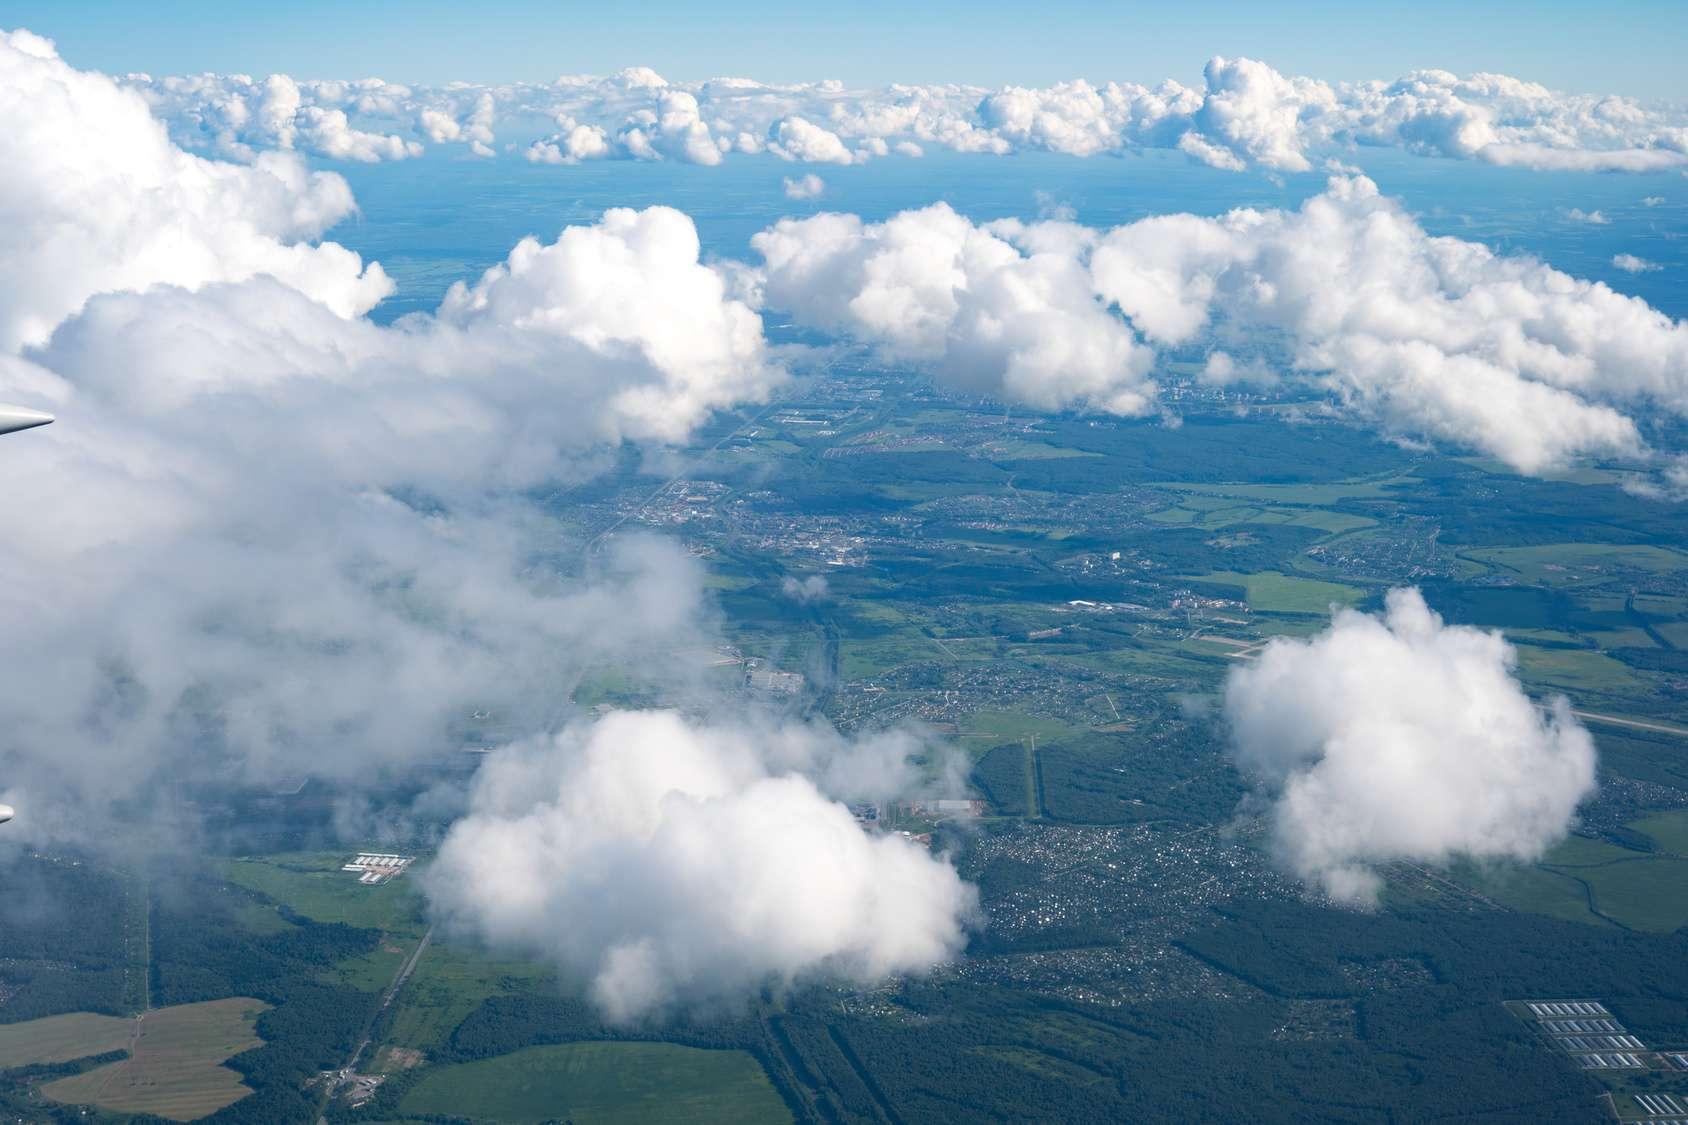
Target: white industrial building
(378,867)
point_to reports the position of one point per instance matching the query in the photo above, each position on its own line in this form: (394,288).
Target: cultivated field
(174,1069)
(1310,495)
(313,884)
(449,983)
(1271,592)
(58,1039)
(603,1084)
(1593,881)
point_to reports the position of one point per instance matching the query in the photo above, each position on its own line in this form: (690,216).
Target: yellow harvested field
(58,1039)
(174,1068)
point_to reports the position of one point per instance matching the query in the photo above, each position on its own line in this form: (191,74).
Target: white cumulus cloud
(799,139)
(672,862)
(1427,337)
(1002,309)
(1244,115)
(236,117)
(805,187)
(672,342)
(269,536)
(1630,263)
(1403,738)
(97,199)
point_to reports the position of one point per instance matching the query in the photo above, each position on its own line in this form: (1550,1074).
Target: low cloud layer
(671,862)
(1244,115)
(1427,337)
(268,536)
(1402,738)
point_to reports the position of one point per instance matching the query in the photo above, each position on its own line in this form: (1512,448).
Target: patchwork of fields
(1051,603)
(173,1068)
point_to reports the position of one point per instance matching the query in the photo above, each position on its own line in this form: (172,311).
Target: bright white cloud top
(260,497)
(1401,737)
(1244,115)
(669,862)
(96,198)
(1004,310)
(1429,337)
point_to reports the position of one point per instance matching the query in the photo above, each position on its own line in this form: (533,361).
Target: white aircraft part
(21,418)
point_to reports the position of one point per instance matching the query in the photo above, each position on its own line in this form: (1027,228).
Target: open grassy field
(1534,890)
(1171,662)
(875,657)
(1573,564)
(1578,672)
(1178,515)
(1219,512)
(313,884)
(1271,592)
(984,729)
(1661,605)
(1592,881)
(373,970)
(1039,1064)
(1608,638)
(448,984)
(59,1039)
(1648,893)
(1669,831)
(1014,449)
(1580,851)
(603,1084)
(174,1068)
(1308,495)
(1335,523)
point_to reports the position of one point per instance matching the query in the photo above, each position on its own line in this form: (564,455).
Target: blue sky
(1633,47)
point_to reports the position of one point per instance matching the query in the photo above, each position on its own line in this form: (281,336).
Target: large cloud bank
(96,198)
(1002,309)
(1402,738)
(268,536)
(1244,115)
(671,862)
(1429,337)
(236,117)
